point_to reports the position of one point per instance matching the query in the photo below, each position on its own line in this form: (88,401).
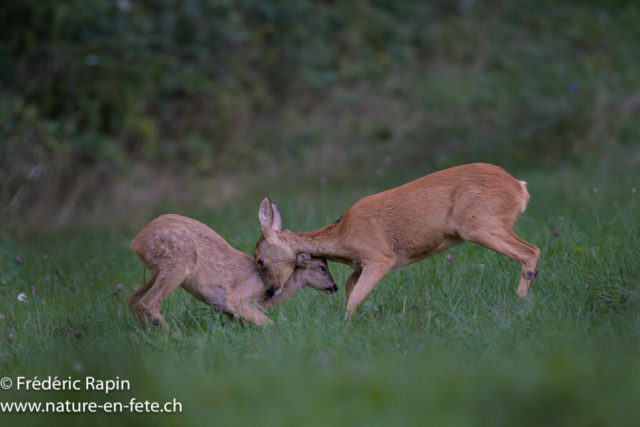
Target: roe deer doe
(476,203)
(183,252)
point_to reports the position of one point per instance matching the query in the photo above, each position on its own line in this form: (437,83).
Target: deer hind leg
(133,300)
(508,243)
(149,305)
(371,275)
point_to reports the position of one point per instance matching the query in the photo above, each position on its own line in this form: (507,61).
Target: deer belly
(418,251)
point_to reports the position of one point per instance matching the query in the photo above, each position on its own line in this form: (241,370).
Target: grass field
(439,343)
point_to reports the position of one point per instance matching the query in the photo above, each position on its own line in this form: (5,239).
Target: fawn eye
(261,263)
(322,268)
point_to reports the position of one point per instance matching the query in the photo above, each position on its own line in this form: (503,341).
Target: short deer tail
(525,194)
(134,245)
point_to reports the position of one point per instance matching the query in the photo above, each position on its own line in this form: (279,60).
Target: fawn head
(276,258)
(316,275)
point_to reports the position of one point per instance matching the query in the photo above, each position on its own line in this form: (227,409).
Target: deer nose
(332,289)
(271,291)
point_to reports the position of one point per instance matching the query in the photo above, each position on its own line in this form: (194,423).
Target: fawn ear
(303,259)
(277,219)
(265,214)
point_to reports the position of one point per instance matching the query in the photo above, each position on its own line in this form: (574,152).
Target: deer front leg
(253,314)
(370,276)
(351,282)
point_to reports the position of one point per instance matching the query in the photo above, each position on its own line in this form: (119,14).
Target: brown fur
(477,203)
(184,252)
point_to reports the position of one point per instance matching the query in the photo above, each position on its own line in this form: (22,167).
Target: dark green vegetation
(439,343)
(97,93)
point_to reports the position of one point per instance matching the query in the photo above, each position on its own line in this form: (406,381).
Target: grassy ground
(438,343)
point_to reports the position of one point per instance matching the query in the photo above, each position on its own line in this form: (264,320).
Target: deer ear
(265,214)
(277,219)
(303,259)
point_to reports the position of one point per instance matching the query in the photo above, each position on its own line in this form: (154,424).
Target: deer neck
(325,242)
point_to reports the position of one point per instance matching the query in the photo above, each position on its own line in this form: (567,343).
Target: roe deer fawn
(184,252)
(476,203)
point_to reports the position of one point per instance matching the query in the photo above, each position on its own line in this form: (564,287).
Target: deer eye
(322,268)
(261,263)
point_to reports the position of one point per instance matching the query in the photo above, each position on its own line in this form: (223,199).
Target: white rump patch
(526,196)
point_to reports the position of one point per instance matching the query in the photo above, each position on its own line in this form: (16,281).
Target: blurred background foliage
(106,104)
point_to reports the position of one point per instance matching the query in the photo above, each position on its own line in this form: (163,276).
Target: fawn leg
(253,314)
(134,299)
(149,305)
